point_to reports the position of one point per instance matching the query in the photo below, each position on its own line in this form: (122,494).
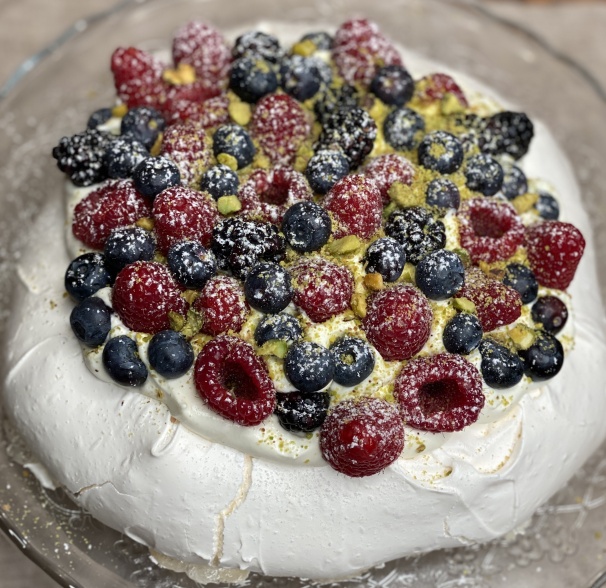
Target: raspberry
(489,230)
(496,303)
(355,202)
(181,213)
(113,205)
(362,437)
(267,195)
(439,393)
(398,322)
(144,294)
(554,251)
(322,289)
(387,169)
(435,86)
(234,382)
(209,113)
(222,305)
(280,125)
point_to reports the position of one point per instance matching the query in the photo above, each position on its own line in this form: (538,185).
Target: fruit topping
(268,288)
(462,334)
(98,118)
(440,274)
(234,141)
(387,257)
(500,367)
(123,155)
(259,45)
(393,85)
(302,77)
(442,193)
(85,275)
(306,226)
(144,124)
(170,354)
(514,182)
(309,366)
(440,151)
(155,174)
(325,169)
(354,360)
(547,207)
(506,133)
(333,99)
(484,174)
(281,327)
(301,412)
(321,40)
(127,245)
(436,87)
(219,180)
(387,169)
(251,78)
(403,129)
(520,278)
(544,358)
(550,313)
(91,321)
(191,264)
(122,362)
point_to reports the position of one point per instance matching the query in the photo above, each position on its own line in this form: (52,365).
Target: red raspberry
(143,295)
(322,289)
(280,125)
(181,213)
(362,437)
(435,86)
(208,113)
(222,305)
(356,204)
(267,195)
(234,382)
(387,169)
(398,322)
(360,50)
(496,303)
(115,204)
(489,230)
(439,393)
(554,251)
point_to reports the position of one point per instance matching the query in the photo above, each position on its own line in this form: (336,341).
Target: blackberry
(309,366)
(484,174)
(122,362)
(506,133)
(393,85)
(191,264)
(336,99)
(123,155)
(127,245)
(82,156)
(306,226)
(417,231)
(440,274)
(301,412)
(522,279)
(354,360)
(440,151)
(442,193)
(258,45)
(85,275)
(99,117)
(547,206)
(219,180)
(544,358)
(144,124)
(325,169)
(154,175)
(235,141)
(268,288)
(91,321)
(551,313)
(462,334)
(514,182)
(302,77)
(283,327)
(403,129)
(500,367)
(170,354)
(386,257)
(251,78)
(322,40)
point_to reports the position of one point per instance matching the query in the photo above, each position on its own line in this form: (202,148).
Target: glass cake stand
(563,544)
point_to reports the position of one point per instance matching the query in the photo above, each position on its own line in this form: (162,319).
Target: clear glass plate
(563,545)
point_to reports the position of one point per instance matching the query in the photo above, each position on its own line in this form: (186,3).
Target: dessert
(478,429)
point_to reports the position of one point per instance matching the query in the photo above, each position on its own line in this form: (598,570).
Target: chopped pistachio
(405,196)
(304,48)
(228,204)
(373,281)
(184,74)
(344,245)
(240,112)
(464,305)
(193,324)
(146,223)
(274,347)
(190,295)
(451,104)
(120,110)
(524,202)
(229,160)
(157,146)
(358,304)
(176,320)
(522,336)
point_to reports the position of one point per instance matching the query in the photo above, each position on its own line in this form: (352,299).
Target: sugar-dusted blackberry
(462,334)
(268,288)
(258,45)
(144,124)
(123,155)
(235,141)
(387,257)
(521,278)
(346,96)
(308,366)
(417,231)
(547,206)
(354,360)
(301,412)
(219,180)
(122,362)
(85,275)
(154,175)
(325,169)
(170,354)
(403,129)
(99,117)
(499,366)
(321,39)
(91,321)
(506,133)
(251,78)
(442,193)
(127,245)
(484,174)
(393,85)
(514,182)
(440,274)
(191,264)
(440,151)
(306,226)
(544,358)
(551,313)
(302,77)
(283,327)
(82,156)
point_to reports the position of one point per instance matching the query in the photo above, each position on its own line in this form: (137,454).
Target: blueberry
(354,360)
(547,206)
(440,151)
(393,85)
(143,124)
(219,180)
(484,174)
(259,45)
(551,313)
(268,288)
(91,321)
(251,78)
(154,175)
(462,334)
(500,367)
(403,129)
(325,169)
(123,155)
(127,245)
(191,264)
(235,141)
(85,275)
(99,117)
(283,327)
(440,274)
(442,193)
(386,257)
(544,358)
(321,39)
(520,278)
(122,362)
(306,226)
(309,366)
(514,182)
(170,354)
(302,412)
(302,77)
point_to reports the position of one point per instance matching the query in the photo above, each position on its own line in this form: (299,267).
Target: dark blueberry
(301,77)
(544,358)
(85,275)
(99,117)
(325,169)
(251,78)
(514,182)
(322,40)
(306,226)
(219,180)
(309,366)
(403,129)
(235,141)
(283,327)
(144,124)
(462,334)
(170,354)
(500,367)
(520,278)
(155,174)
(547,206)
(91,321)
(259,45)
(506,133)
(393,85)
(123,155)
(386,257)
(268,288)
(551,313)
(442,193)
(334,99)
(354,360)
(440,151)
(127,245)
(440,274)
(302,412)
(191,264)
(122,362)
(484,174)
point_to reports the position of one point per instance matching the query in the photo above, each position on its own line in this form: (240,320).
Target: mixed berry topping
(393,85)
(302,412)
(403,129)
(354,360)
(544,358)
(387,257)
(268,288)
(506,133)
(220,180)
(170,354)
(550,313)
(306,226)
(122,362)
(86,275)
(520,278)
(191,264)
(279,327)
(387,169)
(462,334)
(440,274)
(484,174)
(123,155)
(501,367)
(443,193)
(440,151)
(251,78)
(155,174)
(325,169)
(125,246)
(234,141)
(309,366)
(90,321)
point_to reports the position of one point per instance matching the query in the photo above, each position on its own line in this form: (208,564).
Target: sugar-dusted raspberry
(434,87)
(144,294)
(223,305)
(554,251)
(439,393)
(322,289)
(268,194)
(490,230)
(356,204)
(184,102)
(398,322)
(209,113)
(234,382)
(181,213)
(496,303)
(387,169)
(115,204)
(362,437)
(280,125)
